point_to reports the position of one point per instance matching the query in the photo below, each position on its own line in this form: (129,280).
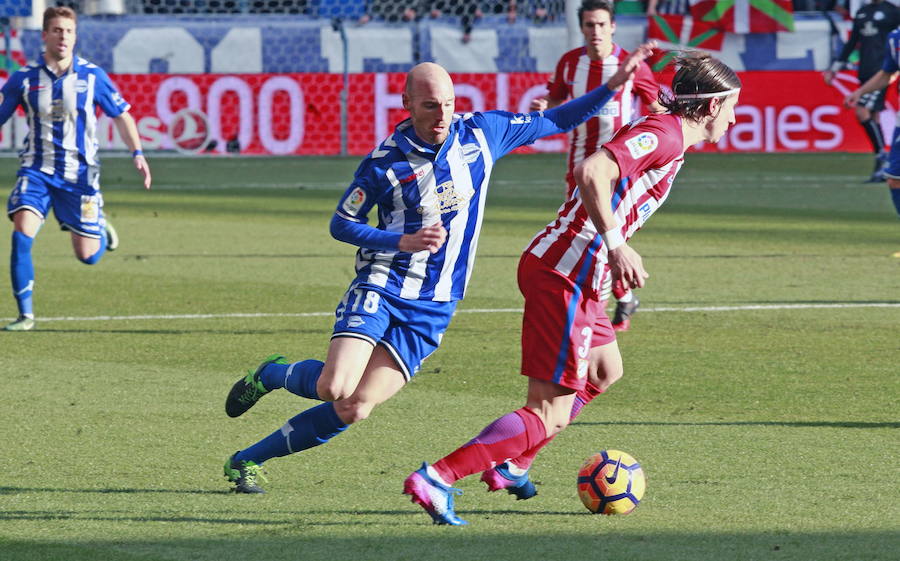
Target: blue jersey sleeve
(107,96)
(350,221)
(11,96)
(508,131)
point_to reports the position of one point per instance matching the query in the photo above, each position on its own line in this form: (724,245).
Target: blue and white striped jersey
(414,187)
(891,62)
(62,118)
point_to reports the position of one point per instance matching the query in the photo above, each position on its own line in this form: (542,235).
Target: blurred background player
(580,70)
(889,70)
(59,164)
(429,182)
(565,332)
(871,26)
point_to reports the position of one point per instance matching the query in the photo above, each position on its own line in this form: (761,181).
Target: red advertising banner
(299,114)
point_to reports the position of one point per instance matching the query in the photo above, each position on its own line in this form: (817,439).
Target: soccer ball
(611,482)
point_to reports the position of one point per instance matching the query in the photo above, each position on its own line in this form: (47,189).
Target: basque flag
(745,16)
(676,33)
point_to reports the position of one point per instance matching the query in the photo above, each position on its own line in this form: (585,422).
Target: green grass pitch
(761,390)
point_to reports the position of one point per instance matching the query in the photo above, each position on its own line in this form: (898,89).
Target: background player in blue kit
(429,181)
(889,70)
(59,164)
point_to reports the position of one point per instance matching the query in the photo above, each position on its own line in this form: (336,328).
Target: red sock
(507,437)
(582,398)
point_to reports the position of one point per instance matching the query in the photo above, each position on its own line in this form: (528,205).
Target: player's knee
(91,259)
(353,410)
(333,387)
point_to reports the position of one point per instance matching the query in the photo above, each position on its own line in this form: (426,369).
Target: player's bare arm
(877,82)
(544,103)
(626,70)
(429,238)
(128,131)
(596,176)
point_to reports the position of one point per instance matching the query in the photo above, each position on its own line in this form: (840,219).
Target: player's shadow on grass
(800,424)
(9,490)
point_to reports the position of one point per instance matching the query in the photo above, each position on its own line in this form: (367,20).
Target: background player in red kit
(564,329)
(579,71)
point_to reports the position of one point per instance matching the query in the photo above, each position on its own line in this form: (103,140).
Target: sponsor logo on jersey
(520,119)
(355,321)
(81,86)
(57,110)
(642,144)
(90,208)
(418,174)
(469,152)
(611,109)
(451,199)
(354,201)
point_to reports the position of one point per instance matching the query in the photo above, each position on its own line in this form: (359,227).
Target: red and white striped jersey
(576,74)
(649,153)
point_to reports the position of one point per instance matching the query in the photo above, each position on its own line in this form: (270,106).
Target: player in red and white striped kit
(569,351)
(581,70)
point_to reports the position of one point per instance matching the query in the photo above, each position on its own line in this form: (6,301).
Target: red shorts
(559,326)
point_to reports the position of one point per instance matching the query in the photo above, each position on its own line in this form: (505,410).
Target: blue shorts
(79,209)
(409,329)
(893,169)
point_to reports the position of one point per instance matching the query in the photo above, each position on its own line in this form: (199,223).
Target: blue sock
(299,378)
(96,256)
(313,427)
(21,269)
(895,196)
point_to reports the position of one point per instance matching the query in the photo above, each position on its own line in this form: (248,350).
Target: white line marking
(750,307)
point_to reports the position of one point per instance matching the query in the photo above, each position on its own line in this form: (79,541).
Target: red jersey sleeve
(557,87)
(645,85)
(646,144)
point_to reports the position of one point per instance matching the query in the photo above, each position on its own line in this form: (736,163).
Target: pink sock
(507,437)
(582,398)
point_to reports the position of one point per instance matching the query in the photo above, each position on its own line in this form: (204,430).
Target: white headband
(707,95)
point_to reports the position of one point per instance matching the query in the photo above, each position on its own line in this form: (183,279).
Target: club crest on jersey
(354,201)
(450,198)
(642,144)
(469,152)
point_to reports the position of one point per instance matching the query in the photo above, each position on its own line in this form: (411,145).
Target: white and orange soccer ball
(611,482)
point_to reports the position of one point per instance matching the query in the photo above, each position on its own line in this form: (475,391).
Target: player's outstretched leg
(275,372)
(248,390)
(513,479)
(244,473)
(21,269)
(313,427)
(432,495)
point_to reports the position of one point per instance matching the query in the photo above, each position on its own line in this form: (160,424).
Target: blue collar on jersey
(408,141)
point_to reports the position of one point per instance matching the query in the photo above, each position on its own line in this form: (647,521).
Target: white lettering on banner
(153,129)
(384,102)
(472,93)
(758,130)
(133,53)
(245,106)
(164,98)
(240,51)
(297,110)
